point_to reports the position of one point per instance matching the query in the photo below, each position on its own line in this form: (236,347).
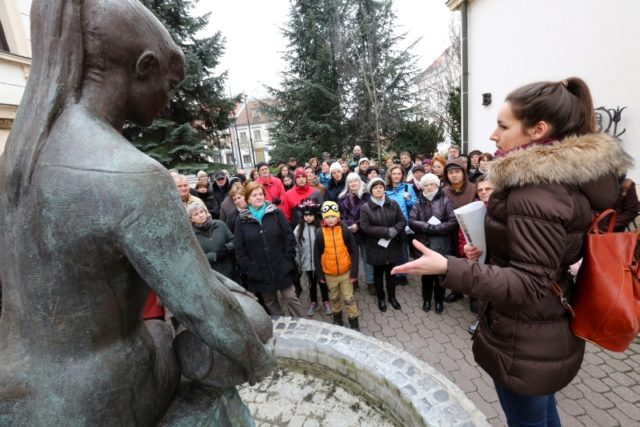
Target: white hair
(352,177)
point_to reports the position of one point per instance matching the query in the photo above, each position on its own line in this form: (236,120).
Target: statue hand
(265,364)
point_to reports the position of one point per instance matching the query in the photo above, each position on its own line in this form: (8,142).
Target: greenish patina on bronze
(88,224)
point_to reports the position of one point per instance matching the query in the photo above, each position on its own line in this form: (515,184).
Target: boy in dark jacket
(336,263)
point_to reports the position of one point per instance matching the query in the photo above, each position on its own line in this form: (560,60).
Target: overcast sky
(254,43)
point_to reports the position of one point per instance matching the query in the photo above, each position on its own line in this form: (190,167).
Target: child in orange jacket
(336,262)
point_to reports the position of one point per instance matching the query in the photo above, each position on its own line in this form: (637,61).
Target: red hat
(299,172)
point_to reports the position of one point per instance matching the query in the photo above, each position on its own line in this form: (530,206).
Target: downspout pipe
(464,89)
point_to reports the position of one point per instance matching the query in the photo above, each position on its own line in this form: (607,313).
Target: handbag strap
(557,291)
(595,224)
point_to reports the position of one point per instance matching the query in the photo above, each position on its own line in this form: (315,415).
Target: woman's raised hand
(430,262)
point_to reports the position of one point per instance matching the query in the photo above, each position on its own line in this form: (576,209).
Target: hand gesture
(430,262)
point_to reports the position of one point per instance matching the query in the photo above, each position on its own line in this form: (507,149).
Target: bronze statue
(88,224)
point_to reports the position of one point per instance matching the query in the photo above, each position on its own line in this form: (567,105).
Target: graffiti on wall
(607,120)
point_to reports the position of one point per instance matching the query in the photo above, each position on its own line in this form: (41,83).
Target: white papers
(471,220)
(384,242)
(434,221)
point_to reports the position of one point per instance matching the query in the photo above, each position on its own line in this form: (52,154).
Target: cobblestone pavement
(606,391)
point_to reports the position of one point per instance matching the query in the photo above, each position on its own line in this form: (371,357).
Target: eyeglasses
(326,208)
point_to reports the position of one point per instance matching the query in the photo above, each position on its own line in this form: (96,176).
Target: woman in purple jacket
(352,198)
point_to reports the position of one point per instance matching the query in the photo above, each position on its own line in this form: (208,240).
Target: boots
(381,305)
(394,303)
(453,297)
(353,323)
(337,319)
(426,306)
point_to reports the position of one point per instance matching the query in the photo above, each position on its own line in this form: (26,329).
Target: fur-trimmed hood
(574,160)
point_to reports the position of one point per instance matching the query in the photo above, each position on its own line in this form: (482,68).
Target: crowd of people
(316,222)
(272,236)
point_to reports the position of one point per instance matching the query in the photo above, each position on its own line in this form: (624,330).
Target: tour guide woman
(552,171)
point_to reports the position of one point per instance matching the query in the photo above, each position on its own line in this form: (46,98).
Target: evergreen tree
(186,136)
(381,76)
(455,115)
(418,137)
(308,107)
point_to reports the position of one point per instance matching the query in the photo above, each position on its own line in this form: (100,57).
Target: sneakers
(474,327)
(327,308)
(312,309)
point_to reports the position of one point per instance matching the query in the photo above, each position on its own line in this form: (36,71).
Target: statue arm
(160,245)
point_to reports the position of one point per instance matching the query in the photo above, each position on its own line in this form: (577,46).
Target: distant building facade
(250,135)
(15,60)
(514,42)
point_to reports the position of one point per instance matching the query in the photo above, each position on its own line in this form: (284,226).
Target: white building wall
(514,42)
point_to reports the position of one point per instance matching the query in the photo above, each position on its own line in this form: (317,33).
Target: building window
(242,136)
(3,40)
(255,113)
(246,159)
(257,135)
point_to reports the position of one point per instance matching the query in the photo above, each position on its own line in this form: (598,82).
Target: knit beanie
(299,172)
(375,181)
(309,207)
(429,178)
(362,159)
(261,164)
(330,208)
(335,166)
(201,174)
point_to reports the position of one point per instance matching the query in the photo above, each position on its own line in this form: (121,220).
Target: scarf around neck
(258,213)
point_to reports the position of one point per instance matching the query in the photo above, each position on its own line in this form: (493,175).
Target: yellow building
(15,60)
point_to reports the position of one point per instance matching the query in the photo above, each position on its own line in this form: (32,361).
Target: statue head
(124,43)
(79,41)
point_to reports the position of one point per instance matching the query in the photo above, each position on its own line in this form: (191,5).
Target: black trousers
(430,282)
(313,288)
(381,273)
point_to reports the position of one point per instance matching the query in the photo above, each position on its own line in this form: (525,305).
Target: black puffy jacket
(375,221)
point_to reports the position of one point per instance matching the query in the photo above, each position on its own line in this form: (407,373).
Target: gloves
(221,254)
(408,231)
(431,229)
(277,201)
(392,232)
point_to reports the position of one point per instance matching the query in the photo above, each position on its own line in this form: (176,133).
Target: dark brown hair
(487,157)
(565,105)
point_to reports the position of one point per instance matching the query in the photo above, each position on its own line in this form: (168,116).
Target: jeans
(368,268)
(528,411)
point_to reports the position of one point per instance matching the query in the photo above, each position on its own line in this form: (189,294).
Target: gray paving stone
(427,343)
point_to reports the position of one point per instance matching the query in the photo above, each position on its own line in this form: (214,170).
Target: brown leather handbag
(606,300)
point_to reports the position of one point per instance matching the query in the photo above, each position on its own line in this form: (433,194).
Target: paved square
(606,391)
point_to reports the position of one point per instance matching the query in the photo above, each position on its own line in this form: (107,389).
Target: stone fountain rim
(410,388)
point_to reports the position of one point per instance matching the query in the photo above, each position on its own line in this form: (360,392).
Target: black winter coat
(217,243)
(439,238)
(375,221)
(265,251)
(334,188)
(211,203)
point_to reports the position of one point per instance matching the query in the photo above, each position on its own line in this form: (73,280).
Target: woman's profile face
(199,217)
(256,198)
(239,201)
(437,168)
(509,133)
(354,185)
(396,176)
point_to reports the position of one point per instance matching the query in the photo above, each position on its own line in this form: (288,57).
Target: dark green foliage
(347,83)
(186,136)
(418,137)
(454,112)
(308,107)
